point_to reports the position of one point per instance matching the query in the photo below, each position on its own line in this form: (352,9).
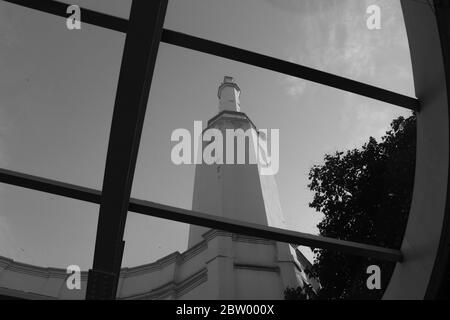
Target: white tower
(236,191)
(228,95)
(245,267)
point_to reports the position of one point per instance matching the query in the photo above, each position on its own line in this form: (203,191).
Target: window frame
(131,99)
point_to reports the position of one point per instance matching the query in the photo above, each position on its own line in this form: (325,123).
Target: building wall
(222,266)
(235,191)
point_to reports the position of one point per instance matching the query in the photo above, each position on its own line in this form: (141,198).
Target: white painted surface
(229,94)
(223,266)
(238,191)
(235,191)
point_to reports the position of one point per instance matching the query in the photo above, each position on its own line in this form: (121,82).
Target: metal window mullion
(187,216)
(138,63)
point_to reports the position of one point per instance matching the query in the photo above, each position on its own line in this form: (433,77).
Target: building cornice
(230,115)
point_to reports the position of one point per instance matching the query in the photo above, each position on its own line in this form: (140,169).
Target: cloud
(295,86)
(332,36)
(363,119)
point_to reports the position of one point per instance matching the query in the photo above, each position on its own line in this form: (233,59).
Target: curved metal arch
(425,244)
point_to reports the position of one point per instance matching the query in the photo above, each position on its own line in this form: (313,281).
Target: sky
(57,91)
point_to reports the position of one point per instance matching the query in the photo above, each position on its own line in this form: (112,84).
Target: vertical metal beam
(138,62)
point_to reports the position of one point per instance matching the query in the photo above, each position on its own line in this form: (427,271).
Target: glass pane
(41,235)
(313,122)
(57,91)
(318,121)
(146,239)
(332,36)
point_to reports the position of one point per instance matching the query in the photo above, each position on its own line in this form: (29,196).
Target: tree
(300,293)
(364,195)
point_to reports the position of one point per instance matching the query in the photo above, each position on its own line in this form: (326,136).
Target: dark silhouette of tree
(299,293)
(364,195)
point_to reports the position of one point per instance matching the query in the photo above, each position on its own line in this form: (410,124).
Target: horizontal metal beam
(58,8)
(186,216)
(255,230)
(50,186)
(288,68)
(233,53)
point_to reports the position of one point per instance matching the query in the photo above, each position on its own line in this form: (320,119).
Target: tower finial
(228,94)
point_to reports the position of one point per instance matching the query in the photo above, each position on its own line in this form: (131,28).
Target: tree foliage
(364,195)
(299,293)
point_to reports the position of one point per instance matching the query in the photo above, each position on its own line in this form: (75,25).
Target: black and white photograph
(224,158)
